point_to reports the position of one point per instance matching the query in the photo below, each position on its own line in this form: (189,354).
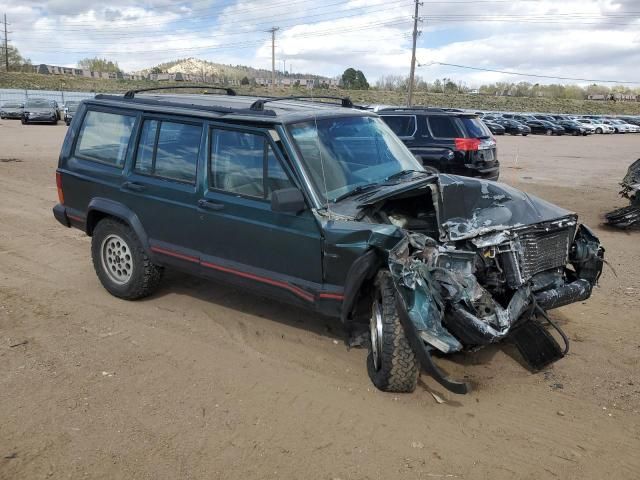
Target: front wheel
(391,363)
(549,132)
(23,121)
(121,263)
(525,134)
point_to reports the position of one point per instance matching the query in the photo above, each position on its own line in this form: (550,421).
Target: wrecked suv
(322,206)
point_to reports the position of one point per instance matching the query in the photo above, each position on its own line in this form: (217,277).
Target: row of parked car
(546,124)
(39,110)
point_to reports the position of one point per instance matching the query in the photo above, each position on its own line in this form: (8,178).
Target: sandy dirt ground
(205,381)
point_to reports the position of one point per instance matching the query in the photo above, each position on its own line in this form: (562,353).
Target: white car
(628,127)
(597,125)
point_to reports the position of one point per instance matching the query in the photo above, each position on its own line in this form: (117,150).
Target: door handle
(207,205)
(136,187)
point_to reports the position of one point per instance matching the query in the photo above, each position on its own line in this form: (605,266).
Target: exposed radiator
(536,250)
(543,250)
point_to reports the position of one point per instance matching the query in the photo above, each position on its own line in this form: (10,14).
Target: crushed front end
(628,217)
(486,267)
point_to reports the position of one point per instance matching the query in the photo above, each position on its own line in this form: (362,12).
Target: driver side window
(245,164)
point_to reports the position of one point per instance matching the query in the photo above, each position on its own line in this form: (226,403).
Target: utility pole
(416,18)
(273,31)
(6,44)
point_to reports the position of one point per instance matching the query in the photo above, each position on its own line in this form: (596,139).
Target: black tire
(525,134)
(599,130)
(143,276)
(396,368)
(55,121)
(549,132)
(23,121)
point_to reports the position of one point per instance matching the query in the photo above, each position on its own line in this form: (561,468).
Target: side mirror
(287,200)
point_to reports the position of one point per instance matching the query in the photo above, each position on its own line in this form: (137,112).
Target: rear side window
(443,127)
(169,150)
(104,137)
(245,164)
(475,128)
(402,125)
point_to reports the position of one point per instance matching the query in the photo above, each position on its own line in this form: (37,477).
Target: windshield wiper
(355,191)
(404,173)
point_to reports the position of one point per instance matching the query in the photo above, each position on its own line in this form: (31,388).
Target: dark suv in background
(445,141)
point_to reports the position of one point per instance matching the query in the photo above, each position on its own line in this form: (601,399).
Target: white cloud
(575,38)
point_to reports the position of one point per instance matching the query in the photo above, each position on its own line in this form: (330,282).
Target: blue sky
(596,39)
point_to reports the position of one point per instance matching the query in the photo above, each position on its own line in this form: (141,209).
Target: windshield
(38,104)
(342,154)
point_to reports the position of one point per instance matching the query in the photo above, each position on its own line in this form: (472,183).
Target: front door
(241,238)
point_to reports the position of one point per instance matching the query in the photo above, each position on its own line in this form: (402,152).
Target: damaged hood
(472,207)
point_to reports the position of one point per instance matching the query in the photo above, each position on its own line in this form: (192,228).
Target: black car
(573,128)
(40,110)
(321,206)
(494,127)
(69,110)
(513,127)
(519,117)
(11,110)
(542,127)
(447,142)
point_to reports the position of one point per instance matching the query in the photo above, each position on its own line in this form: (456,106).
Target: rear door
(240,237)
(161,187)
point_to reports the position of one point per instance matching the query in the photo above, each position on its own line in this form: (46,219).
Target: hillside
(196,66)
(480,102)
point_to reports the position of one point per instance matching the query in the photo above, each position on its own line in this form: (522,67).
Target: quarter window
(169,150)
(245,164)
(443,127)
(104,137)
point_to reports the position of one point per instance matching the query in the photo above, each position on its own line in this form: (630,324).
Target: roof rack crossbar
(258,105)
(132,93)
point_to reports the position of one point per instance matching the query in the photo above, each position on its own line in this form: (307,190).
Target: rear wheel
(23,121)
(599,130)
(123,267)
(391,363)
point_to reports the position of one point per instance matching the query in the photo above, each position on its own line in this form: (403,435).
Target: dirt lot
(204,381)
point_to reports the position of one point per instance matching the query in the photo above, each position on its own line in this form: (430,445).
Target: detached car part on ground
(628,217)
(324,207)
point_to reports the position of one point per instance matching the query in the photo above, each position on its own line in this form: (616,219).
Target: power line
(527,74)
(6,43)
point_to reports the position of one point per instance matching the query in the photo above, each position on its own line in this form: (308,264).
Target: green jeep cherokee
(319,204)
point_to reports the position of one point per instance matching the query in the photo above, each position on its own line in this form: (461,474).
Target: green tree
(16,61)
(353,79)
(244,81)
(97,64)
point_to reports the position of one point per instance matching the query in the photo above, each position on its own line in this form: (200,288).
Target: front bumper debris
(445,308)
(628,217)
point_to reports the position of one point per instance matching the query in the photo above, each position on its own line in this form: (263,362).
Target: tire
(23,121)
(525,134)
(549,132)
(391,363)
(54,122)
(133,275)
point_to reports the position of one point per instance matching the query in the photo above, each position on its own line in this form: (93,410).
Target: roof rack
(132,93)
(408,109)
(258,105)
(205,108)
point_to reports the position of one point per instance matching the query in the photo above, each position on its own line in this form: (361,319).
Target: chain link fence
(21,96)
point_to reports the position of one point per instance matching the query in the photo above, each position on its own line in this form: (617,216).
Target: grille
(543,250)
